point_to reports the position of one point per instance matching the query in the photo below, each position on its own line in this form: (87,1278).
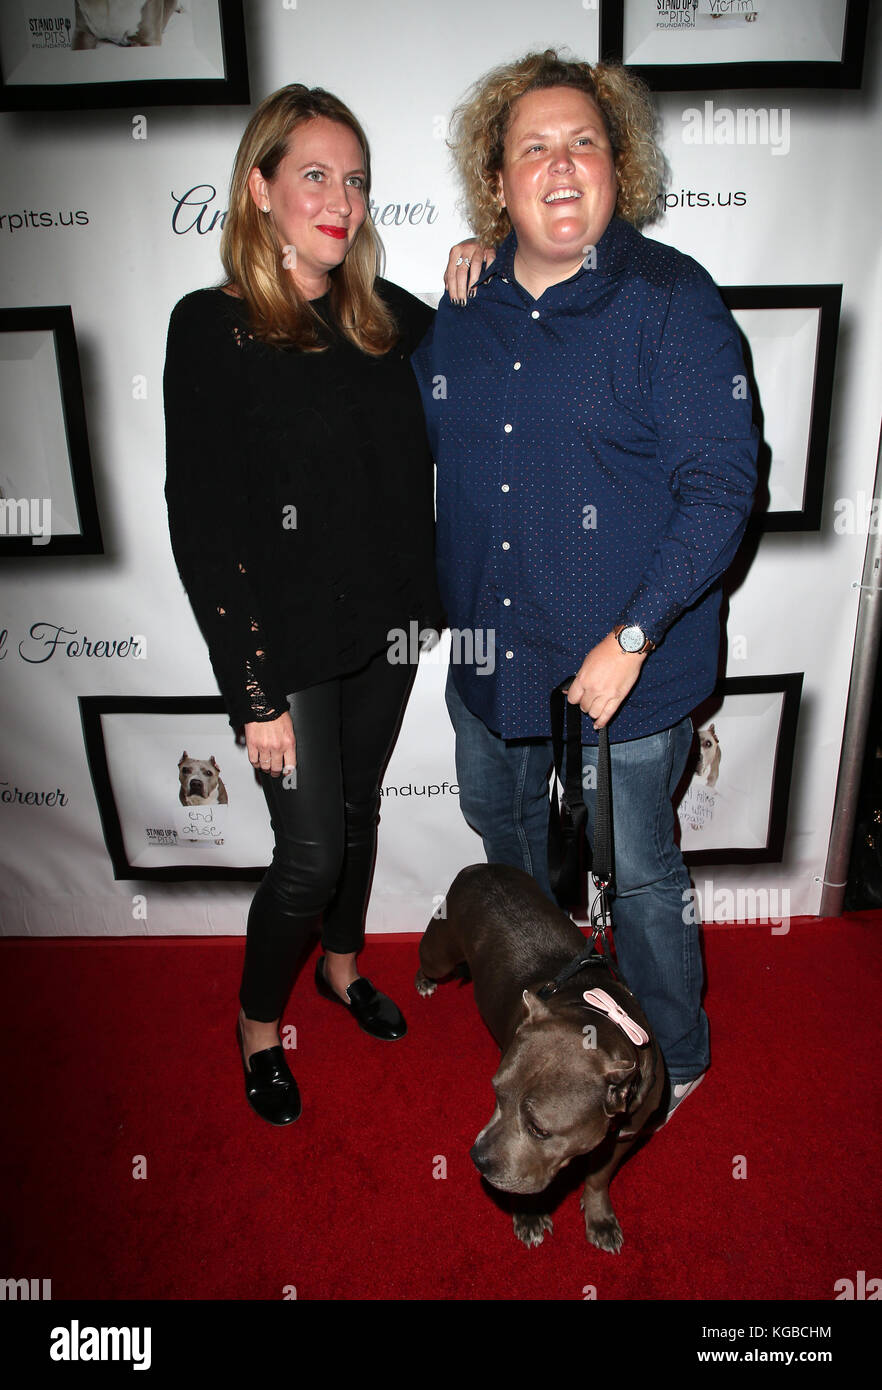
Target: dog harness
(598,954)
(561,978)
(598,999)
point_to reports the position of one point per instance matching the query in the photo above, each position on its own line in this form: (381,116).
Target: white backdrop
(809,215)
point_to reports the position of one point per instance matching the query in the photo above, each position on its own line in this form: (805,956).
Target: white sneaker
(679,1091)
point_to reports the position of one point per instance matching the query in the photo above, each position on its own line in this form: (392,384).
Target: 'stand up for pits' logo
(49,31)
(675,14)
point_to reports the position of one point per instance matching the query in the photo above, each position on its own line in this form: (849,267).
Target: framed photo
(734,808)
(81,54)
(700,45)
(47,496)
(790,334)
(177,796)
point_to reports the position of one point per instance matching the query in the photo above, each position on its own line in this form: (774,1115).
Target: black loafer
(372,1011)
(269,1086)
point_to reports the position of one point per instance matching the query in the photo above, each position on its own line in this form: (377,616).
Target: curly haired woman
(596,466)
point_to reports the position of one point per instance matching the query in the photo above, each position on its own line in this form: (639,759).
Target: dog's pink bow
(602,1001)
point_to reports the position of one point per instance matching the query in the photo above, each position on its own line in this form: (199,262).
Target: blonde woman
(299,490)
(596,467)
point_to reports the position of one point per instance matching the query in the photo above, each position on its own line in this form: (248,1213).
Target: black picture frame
(687,77)
(790,686)
(92,708)
(230,90)
(57,319)
(827,299)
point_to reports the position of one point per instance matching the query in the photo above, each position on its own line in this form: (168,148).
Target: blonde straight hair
(253,259)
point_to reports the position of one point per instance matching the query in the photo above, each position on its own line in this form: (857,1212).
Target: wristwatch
(632,638)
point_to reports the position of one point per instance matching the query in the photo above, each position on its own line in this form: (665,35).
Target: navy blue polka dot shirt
(596,465)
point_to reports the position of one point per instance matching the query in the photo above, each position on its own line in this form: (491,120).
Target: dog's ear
(711,730)
(184,755)
(618,1080)
(534,1008)
(213,761)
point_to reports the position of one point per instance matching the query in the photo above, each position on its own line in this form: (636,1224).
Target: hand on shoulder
(466,262)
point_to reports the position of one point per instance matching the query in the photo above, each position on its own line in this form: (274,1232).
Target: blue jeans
(503,786)
(503,790)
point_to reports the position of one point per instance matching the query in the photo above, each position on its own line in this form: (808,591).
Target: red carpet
(123,1048)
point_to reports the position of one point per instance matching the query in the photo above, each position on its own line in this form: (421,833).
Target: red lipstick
(338,232)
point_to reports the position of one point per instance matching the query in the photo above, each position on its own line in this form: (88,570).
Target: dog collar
(593,956)
(590,958)
(598,999)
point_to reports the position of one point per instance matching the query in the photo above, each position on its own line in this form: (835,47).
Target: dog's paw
(424,985)
(601,1226)
(531,1229)
(605,1234)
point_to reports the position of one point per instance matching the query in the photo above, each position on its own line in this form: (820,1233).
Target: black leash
(602,862)
(567,826)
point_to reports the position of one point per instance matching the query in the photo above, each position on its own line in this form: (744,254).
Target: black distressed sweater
(299,491)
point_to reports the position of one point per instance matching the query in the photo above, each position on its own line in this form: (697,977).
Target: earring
(266,207)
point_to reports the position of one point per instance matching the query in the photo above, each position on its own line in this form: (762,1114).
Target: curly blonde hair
(480,123)
(254,260)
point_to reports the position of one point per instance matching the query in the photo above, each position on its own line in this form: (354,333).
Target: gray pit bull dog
(572,1080)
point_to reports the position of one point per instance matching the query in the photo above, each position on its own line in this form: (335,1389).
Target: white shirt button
(505,545)
(505,279)
(507,602)
(508,429)
(517,366)
(505,487)
(509,655)
(535,314)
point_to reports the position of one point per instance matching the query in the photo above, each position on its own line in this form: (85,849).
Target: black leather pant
(325,827)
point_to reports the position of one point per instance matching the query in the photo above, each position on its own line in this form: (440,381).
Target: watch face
(631,639)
